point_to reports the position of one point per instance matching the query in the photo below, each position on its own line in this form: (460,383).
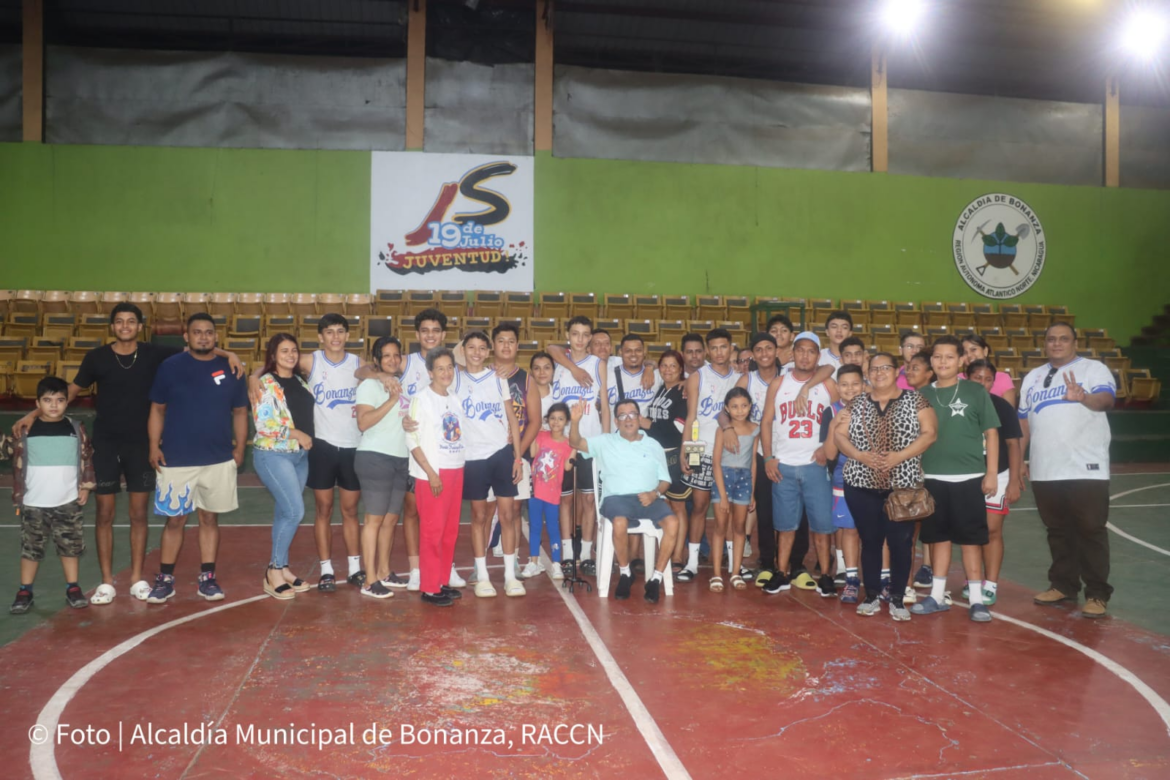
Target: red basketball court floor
(701,685)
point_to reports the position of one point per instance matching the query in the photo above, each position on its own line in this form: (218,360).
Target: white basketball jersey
(415,378)
(631,385)
(334,391)
(485,402)
(565,389)
(545,403)
(758,389)
(713,388)
(795,439)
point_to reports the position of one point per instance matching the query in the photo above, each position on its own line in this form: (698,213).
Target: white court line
(1146,692)
(667,759)
(1111,506)
(1132,538)
(42,758)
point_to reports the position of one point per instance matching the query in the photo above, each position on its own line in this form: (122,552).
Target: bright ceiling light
(1144,33)
(901,17)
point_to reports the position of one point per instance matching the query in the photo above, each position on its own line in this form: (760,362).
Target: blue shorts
(738,483)
(631,508)
(803,489)
(493,473)
(842,517)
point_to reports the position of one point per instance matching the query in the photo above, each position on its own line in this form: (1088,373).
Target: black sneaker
(777,583)
(358,578)
(327,583)
(651,594)
(569,569)
(826,588)
(377,590)
(589,568)
(623,587)
(395,582)
(76,598)
(23,603)
(439,599)
(452,593)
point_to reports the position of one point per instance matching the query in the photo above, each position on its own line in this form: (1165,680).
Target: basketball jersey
(631,385)
(415,378)
(713,388)
(545,403)
(758,389)
(517,384)
(795,439)
(334,391)
(566,390)
(484,401)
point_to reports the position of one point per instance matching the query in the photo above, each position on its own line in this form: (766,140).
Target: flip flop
(928,606)
(103,595)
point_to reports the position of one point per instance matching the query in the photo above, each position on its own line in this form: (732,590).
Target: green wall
(87,217)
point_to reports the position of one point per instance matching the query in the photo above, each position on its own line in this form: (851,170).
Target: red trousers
(438,524)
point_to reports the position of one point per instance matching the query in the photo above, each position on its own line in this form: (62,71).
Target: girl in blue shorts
(735,482)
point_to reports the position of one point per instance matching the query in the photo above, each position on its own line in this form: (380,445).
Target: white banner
(450,222)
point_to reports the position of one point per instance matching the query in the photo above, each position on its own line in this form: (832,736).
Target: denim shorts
(629,507)
(803,489)
(738,483)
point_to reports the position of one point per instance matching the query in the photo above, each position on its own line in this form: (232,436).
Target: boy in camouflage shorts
(52,476)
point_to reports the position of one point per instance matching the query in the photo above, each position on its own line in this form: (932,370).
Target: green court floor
(1137,570)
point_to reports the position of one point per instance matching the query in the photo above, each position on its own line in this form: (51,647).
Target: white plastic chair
(651,538)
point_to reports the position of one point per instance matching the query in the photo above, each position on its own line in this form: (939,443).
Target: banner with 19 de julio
(451,222)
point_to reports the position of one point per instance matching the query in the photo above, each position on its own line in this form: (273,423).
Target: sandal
(684,575)
(327,583)
(298,585)
(738,583)
(103,595)
(716,584)
(282,592)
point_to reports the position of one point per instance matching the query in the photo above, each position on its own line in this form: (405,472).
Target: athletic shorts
(631,508)
(678,491)
(960,513)
(331,466)
(383,481)
(998,504)
(803,490)
(490,475)
(580,476)
(183,489)
(62,523)
(523,487)
(114,460)
(738,484)
(702,477)
(842,517)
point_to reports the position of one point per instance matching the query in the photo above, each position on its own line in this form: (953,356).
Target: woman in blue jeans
(284,434)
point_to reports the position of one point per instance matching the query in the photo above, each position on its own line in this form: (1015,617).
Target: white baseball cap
(808,334)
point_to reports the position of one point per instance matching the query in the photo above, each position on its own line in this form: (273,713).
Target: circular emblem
(999,246)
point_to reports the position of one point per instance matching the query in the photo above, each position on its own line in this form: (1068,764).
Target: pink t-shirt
(902,382)
(548,467)
(1003,383)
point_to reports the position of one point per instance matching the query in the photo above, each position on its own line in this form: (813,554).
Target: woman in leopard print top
(884,433)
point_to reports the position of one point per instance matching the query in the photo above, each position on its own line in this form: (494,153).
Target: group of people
(796,443)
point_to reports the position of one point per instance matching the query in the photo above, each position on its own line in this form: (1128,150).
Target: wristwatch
(659,494)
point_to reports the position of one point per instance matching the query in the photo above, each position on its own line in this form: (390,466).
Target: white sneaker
(140,590)
(532,569)
(557,574)
(911,596)
(747,547)
(484,590)
(514,588)
(456,581)
(413,584)
(498,551)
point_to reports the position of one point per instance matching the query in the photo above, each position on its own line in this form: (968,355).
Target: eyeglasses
(879,369)
(628,416)
(1048,379)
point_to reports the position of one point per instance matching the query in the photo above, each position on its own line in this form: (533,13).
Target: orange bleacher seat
(278,323)
(702,327)
(619,306)
(276,304)
(27,301)
(22,324)
(609,324)
(553,304)
(453,303)
(249,304)
(110,299)
(392,302)
(358,305)
(417,300)
(739,309)
(5,301)
(710,307)
(376,326)
(647,329)
(1013,315)
(144,301)
(94,326)
(985,316)
(168,306)
(78,346)
(516,304)
(84,302)
(487,303)
(59,325)
(648,307)
(880,313)
(222,303)
(330,303)
(67,370)
(245,326)
(934,313)
(28,373)
(55,301)
(301,304)
(672,330)
(195,302)
(676,307)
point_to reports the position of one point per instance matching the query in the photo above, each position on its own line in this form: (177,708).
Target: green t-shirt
(964,412)
(387,437)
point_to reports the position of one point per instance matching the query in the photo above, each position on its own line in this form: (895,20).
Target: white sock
(938,588)
(509,566)
(656,577)
(990,587)
(850,574)
(481,569)
(355,564)
(974,592)
(840,561)
(692,557)
(625,570)
(326,567)
(567,550)
(586,550)
(885,574)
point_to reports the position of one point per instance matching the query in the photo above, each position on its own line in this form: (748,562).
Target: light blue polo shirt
(629,467)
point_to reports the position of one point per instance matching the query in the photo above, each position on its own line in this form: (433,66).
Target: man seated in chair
(634,478)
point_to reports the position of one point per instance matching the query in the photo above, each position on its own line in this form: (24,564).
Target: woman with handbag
(883,433)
